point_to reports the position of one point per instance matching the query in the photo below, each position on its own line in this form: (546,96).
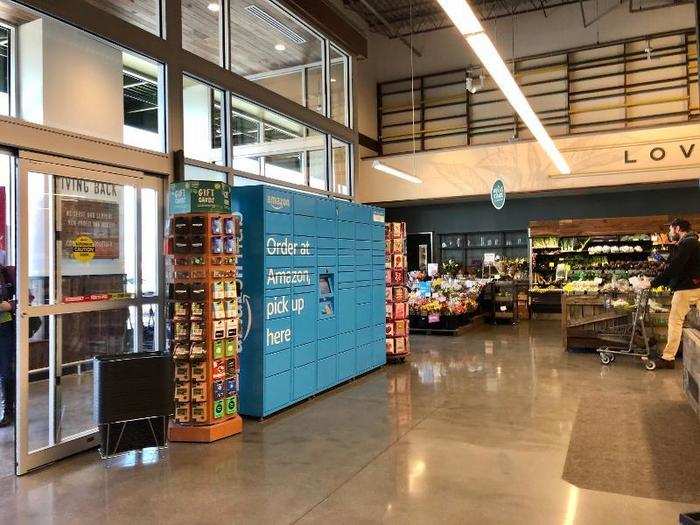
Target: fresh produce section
(586,270)
(589,260)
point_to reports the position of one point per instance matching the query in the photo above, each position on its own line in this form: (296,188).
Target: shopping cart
(629,338)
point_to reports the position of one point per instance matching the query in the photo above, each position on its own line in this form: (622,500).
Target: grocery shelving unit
(468,249)
(504,305)
(609,249)
(581,244)
(397,323)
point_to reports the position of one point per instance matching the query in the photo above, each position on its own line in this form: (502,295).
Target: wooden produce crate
(585,316)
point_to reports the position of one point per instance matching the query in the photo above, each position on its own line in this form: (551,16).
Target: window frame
(173,61)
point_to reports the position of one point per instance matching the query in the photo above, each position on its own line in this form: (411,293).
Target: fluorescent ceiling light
(485,50)
(214,7)
(280,47)
(462,16)
(465,20)
(377,165)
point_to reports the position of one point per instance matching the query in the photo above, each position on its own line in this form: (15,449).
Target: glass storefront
(58,76)
(89,251)
(89,260)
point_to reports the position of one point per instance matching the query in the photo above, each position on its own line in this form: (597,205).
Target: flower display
(450,267)
(515,267)
(448,296)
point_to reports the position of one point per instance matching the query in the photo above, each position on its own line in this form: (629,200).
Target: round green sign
(498,194)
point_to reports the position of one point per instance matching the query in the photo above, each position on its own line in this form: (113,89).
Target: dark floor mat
(626,445)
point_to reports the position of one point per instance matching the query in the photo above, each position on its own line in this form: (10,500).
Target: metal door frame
(29,162)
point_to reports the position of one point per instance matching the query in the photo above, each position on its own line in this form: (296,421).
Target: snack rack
(203,325)
(397,342)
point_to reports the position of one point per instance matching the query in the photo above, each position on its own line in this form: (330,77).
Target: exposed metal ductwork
(391,17)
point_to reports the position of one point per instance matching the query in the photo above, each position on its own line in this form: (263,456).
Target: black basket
(133,400)
(132,386)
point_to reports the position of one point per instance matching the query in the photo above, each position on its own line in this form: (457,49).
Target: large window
(340,86)
(71,80)
(202,113)
(273,146)
(340,154)
(272,48)
(68,79)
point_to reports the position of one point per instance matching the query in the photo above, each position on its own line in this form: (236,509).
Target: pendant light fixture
(468,24)
(377,164)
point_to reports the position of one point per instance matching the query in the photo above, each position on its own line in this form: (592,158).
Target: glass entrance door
(89,267)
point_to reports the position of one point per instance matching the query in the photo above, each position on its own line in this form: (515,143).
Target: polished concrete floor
(472,429)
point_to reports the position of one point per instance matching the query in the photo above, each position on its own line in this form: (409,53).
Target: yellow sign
(83,248)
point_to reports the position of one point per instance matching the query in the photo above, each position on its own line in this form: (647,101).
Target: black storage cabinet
(133,400)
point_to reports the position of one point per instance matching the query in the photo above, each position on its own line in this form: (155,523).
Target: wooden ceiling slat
(252,40)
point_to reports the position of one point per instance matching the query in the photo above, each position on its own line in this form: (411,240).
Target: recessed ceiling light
(214,7)
(280,47)
(332,79)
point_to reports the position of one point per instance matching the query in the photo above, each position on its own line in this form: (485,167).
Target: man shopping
(682,274)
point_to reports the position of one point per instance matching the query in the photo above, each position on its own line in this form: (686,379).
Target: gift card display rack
(203,325)
(397,343)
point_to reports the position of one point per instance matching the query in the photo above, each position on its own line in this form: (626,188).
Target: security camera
(472,86)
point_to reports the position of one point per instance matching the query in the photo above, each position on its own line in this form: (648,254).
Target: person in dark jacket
(682,274)
(7,344)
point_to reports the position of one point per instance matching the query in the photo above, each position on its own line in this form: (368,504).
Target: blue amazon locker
(313,288)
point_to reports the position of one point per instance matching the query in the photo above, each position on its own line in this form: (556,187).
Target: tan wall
(595,160)
(69,80)
(443,50)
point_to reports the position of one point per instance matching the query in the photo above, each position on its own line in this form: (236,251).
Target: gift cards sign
(200,196)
